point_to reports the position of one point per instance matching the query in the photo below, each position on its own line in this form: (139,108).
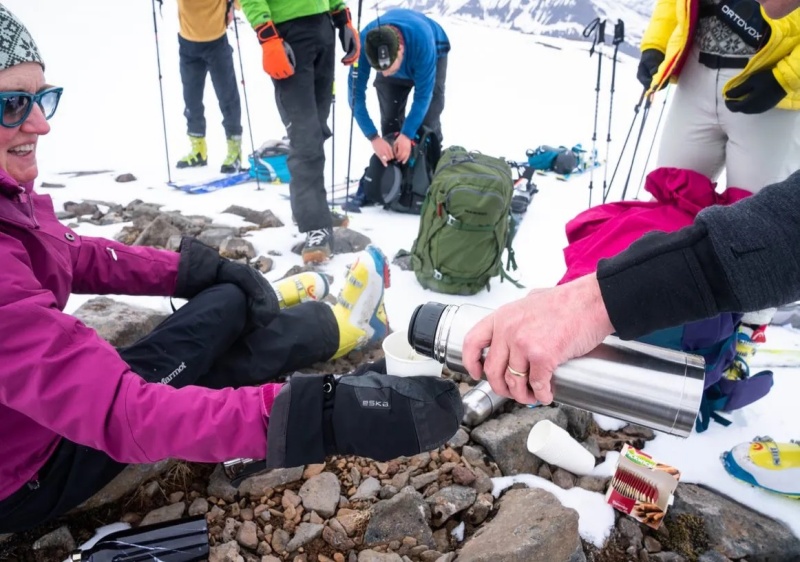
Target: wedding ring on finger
(517,373)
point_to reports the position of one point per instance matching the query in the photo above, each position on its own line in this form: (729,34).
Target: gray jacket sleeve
(736,258)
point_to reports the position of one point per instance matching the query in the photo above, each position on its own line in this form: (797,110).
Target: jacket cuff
(662,280)
(197,268)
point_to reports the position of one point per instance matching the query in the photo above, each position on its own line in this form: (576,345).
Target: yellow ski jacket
(671,31)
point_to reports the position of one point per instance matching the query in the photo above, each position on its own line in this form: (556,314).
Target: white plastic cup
(403,361)
(555,446)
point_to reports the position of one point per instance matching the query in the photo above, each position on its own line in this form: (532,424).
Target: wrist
(373,137)
(341,17)
(595,306)
(266,32)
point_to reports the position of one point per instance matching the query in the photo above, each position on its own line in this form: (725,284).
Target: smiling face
(777,9)
(18,144)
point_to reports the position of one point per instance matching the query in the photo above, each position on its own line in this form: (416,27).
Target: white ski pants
(700,133)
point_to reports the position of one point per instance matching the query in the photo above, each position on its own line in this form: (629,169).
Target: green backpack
(465,224)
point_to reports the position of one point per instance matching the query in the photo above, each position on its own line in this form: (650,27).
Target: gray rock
(387,492)
(305,533)
(247,536)
(578,422)
(402,259)
(666,557)
(405,515)
(198,507)
(264,219)
(592,446)
(226,552)
(713,556)
(424,479)
(449,557)
(280,538)
(460,439)
(125,178)
(505,437)
(174,243)
(639,431)
(346,241)
(480,510)
(651,544)
(51,185)
(337,539)
(157,233)
(64,215)
(80,209)
(219,485)
(368,489)
(373,556)
(167,513)
(451,500)
(736,531)
(631,530)
(483,483)
(593,483)
(563,479)
(530,526)
(237,248)
(255,486)
(118,323)
(138,209)
(131,477)
(214,237)
(264,264)
(320,493)
(60,539)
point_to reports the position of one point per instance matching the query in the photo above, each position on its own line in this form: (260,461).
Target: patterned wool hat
(381,45)
(16,44)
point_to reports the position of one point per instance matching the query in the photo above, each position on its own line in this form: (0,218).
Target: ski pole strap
(619,32)
(598,28)
(708,412)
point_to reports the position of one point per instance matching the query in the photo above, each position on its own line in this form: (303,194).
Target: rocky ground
(438,506)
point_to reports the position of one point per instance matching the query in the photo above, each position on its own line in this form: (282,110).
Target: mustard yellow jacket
(672,28)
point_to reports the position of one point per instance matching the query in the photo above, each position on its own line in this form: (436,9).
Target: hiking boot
(233,160)
(360,311)
(198,155)
(303,287)
(319,246)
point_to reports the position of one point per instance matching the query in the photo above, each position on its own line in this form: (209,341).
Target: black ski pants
(304,103)
(203,343)
(198,59)
(393,95)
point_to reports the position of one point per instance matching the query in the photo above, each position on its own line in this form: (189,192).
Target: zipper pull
(113,253)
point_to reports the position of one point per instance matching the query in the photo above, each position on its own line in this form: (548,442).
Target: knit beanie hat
(16,44)
(382,44)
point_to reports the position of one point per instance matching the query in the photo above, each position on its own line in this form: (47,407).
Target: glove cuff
(197,268)
(341,17)
(267,32)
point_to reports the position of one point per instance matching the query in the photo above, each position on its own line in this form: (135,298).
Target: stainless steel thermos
(635,382)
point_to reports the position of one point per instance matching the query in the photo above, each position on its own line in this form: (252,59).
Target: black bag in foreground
(371,415)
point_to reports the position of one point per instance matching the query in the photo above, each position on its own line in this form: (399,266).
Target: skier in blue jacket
(409,50)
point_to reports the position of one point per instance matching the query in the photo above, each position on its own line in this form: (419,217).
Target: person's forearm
(738,258)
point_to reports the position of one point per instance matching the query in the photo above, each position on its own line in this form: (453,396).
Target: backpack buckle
(437,275)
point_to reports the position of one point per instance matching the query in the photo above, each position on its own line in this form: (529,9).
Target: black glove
(201,267)
(649,62)
(348,36)
(757,94)
(371,415)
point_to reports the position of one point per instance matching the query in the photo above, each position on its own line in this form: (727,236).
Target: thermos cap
(422,327)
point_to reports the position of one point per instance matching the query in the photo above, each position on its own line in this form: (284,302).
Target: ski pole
(636,109)
(244,90)
(598,27)
(351,98)
(652,143)
(333,141)
(645,112)
(161,89)
(619,37)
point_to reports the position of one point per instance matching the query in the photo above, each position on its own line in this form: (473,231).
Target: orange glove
(348,36)
(278,58)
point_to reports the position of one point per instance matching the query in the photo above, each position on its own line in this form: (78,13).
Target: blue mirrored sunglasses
(16,106)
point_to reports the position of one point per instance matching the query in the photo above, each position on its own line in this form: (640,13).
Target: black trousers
(304,103)
(197,59)
(206,336)
(393,95)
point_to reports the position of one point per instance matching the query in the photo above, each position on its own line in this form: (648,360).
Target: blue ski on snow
(209,186)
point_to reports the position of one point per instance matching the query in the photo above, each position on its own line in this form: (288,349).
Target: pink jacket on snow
(606,230)
(58,378)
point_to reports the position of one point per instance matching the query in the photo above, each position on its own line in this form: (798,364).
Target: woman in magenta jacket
(74,410)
